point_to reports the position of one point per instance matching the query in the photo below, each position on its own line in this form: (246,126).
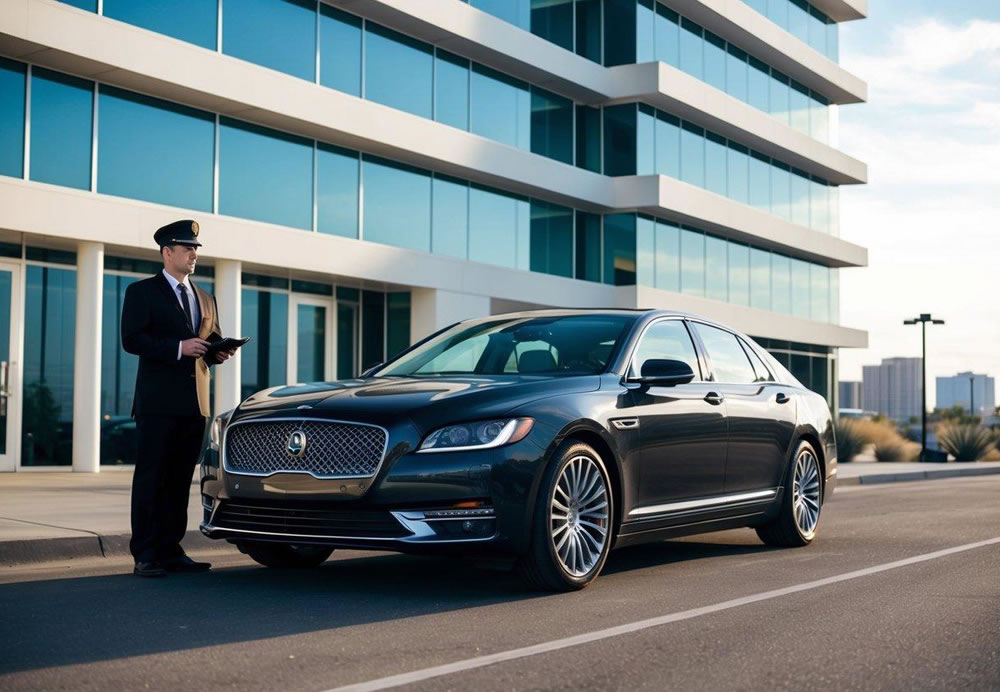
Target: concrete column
(87,358)
(432,309)
(228,279)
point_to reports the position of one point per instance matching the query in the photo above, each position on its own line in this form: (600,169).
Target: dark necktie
(187,306)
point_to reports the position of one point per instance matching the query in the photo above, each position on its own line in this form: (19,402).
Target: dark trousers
(169,447)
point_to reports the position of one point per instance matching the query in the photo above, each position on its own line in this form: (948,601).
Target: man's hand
(222,356)
(194,348)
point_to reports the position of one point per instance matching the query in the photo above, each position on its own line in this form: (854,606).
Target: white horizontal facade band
(842,10)
(760,37)
(63,217)
(119,54)
(459,27)
(62,37)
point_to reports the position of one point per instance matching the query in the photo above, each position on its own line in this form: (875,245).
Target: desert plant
(850,441)
(965,442)
(888,443)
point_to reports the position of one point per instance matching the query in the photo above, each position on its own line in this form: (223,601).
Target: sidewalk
(55,516)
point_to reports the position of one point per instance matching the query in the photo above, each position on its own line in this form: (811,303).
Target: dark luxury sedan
(547,437)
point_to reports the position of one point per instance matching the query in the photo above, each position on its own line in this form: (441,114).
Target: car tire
(283,555)
(801,504)
(571,531)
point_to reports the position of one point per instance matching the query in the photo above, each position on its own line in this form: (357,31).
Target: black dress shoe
(149,569)
(185,564)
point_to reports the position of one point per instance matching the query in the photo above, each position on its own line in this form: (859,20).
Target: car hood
(426,401)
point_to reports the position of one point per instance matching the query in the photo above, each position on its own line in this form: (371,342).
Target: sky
(930,214)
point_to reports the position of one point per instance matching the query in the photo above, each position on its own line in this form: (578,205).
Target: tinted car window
(763,374)
(666,339)
(729,362)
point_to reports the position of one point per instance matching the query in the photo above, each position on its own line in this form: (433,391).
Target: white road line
(586,638)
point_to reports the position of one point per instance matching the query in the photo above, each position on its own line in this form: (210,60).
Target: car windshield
(549,346)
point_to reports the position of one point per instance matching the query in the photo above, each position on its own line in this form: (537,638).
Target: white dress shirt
(192,302)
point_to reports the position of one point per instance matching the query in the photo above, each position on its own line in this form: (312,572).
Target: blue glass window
(800,289)
(798,18)
(692,262)
(739,274)
(620,139)
(645,50)
(817,31)
(588,138)
(800,198)
(89,5)
(336,191)
(820,296)
(516,12)
(451,90)
(759,85)
(646,143)
(668,37)
(716,268)
(399,71)
(835,296)
(737,73)
(173,167)
(693,154)
(263,361)
(799,107)
(692,50)
(450,217)
(819,207)
(619,32)
(499,107)
(781,284)
(339,50)
(588,246)
(738,171)
(118,370)
(715,61)
(760,181)
(818,119)
(588,29)
(668,257)
(62,117)
(777,12)
(12,90)
(668,145)
(781,184)
(397,201)
(265,175)
(194,21)
(553,21)
(552,126)
(495,221)
(716,154)
(619,249)
(551,239)
(780,96)
(280,34)
(760,279)
(645,245)
(397,323)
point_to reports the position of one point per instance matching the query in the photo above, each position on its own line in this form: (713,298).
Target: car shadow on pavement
(58,622)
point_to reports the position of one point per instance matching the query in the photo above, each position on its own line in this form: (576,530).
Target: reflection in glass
(738,172)
(494,220)
(716,268)
(820,285)
(399,71)
(692,262)
(174,167)
(781,284)
(619,249)
(311,344)
(336,190)
(801,301)
(372,328)
(668,37)
(62,116)
(692,51)
(551,239)
(552,125)
(760,279)
(397,204)
(451,90)
(397,322)
(553,21)
(265,175)
(739,274)
(588,246)
(450,217)
(499,107)
(645,242)
(588,29)
(644,31)
(737,73)
(263,358)
(588,138)
(118,371)
(646,141)
(194,21)
(715,61)
(516,12)
(716,155)
(693,154)
(347,340)
(280,34)
(12,94)
(620,140)
(668,257)
(668,145)
(339,50)
(49,335)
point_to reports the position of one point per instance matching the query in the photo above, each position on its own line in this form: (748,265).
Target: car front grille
(306,519)
(332,449)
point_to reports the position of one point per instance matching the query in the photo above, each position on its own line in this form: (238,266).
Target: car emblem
(297,443)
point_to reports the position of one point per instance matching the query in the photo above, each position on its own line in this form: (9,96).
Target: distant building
(893,388)
(956,391)
(851,395)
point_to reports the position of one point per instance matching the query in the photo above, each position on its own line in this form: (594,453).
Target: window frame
(703,351)
(627,376)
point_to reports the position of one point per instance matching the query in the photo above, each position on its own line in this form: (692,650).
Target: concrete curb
(30,551)
(873,478)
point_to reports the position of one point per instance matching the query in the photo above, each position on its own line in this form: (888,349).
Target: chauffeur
(169,323)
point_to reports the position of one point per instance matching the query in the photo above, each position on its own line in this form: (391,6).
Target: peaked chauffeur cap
(178,233)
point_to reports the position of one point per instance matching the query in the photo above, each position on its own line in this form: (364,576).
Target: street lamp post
(924,318)
(972,409)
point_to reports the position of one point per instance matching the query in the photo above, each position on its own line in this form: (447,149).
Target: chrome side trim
(208,528)
(699,504)
(225,433)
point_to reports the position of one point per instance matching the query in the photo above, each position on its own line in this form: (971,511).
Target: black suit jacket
(153,323)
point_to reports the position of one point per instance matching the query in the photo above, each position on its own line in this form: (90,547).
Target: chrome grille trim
(282,455)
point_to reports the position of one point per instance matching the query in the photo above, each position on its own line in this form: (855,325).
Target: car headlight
(215,432)
(480,435)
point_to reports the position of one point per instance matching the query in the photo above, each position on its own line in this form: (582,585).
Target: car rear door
(682,428)
(761,411)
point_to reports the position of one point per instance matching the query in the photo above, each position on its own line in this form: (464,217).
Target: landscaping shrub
(850,441)
(965,442)
(889,444)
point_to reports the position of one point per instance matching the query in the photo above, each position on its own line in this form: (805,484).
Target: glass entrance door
(311,327)
(10,364)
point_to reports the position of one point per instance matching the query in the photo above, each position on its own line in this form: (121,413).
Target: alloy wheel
(579,516)
(805,492)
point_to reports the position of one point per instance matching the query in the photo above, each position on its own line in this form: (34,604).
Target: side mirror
(665,372)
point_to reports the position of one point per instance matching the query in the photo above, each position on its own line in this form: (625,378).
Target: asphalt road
(718,611)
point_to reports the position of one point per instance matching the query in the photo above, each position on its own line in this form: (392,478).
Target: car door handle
(714,398)
(782,398)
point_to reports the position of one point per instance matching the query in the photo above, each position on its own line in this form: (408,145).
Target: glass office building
(367,173)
